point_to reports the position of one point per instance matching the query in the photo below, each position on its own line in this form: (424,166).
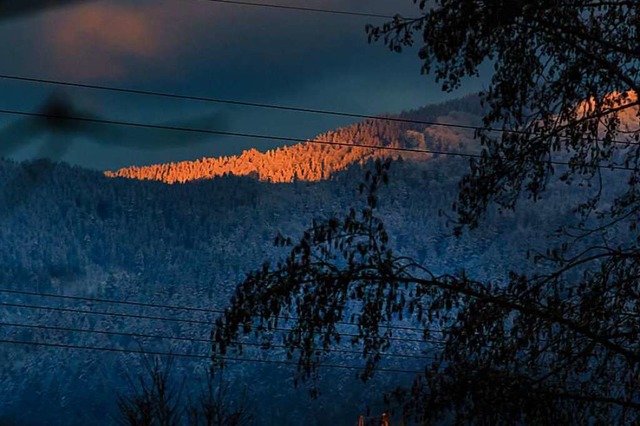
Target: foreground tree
(154,400)
(566,76)
(559,346)
(157,400)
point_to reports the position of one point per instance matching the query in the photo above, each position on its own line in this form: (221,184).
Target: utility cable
(182,320)
(264,346)
(303,9)
(286,139)
(279,107)
(183,308)
(208,357)
(196,356)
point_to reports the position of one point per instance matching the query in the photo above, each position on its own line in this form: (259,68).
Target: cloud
(122,38)
(102,40)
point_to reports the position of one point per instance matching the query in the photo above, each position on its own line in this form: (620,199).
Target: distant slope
(314,162)
(67,230)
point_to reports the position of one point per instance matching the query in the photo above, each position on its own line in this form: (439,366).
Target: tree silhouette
(557,346)
(529,349)
(215,406)
(565,84)
(157,400)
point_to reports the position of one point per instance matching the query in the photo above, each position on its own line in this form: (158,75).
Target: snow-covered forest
(74,232)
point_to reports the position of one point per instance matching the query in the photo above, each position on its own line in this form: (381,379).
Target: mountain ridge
(308,161)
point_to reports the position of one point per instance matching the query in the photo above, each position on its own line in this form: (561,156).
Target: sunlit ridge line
(296,140)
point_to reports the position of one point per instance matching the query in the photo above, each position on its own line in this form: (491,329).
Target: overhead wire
(235,102)
(187,321)
(209,357)
(289,108)
(303,8)
(264,346)
(176,307)
(182,320)
(290,139)
(196,356)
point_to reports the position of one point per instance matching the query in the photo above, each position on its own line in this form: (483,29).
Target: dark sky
(198,47)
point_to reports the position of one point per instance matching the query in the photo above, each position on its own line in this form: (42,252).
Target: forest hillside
(309,161)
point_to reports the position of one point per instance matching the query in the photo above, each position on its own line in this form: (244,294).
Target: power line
(208,357)
(280,107)
(192,339)
(183,320)
(233,134)
(109,314)
(184,308)
(232,359)
(303,9)
(282,138)
(243,103)
(196,356)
